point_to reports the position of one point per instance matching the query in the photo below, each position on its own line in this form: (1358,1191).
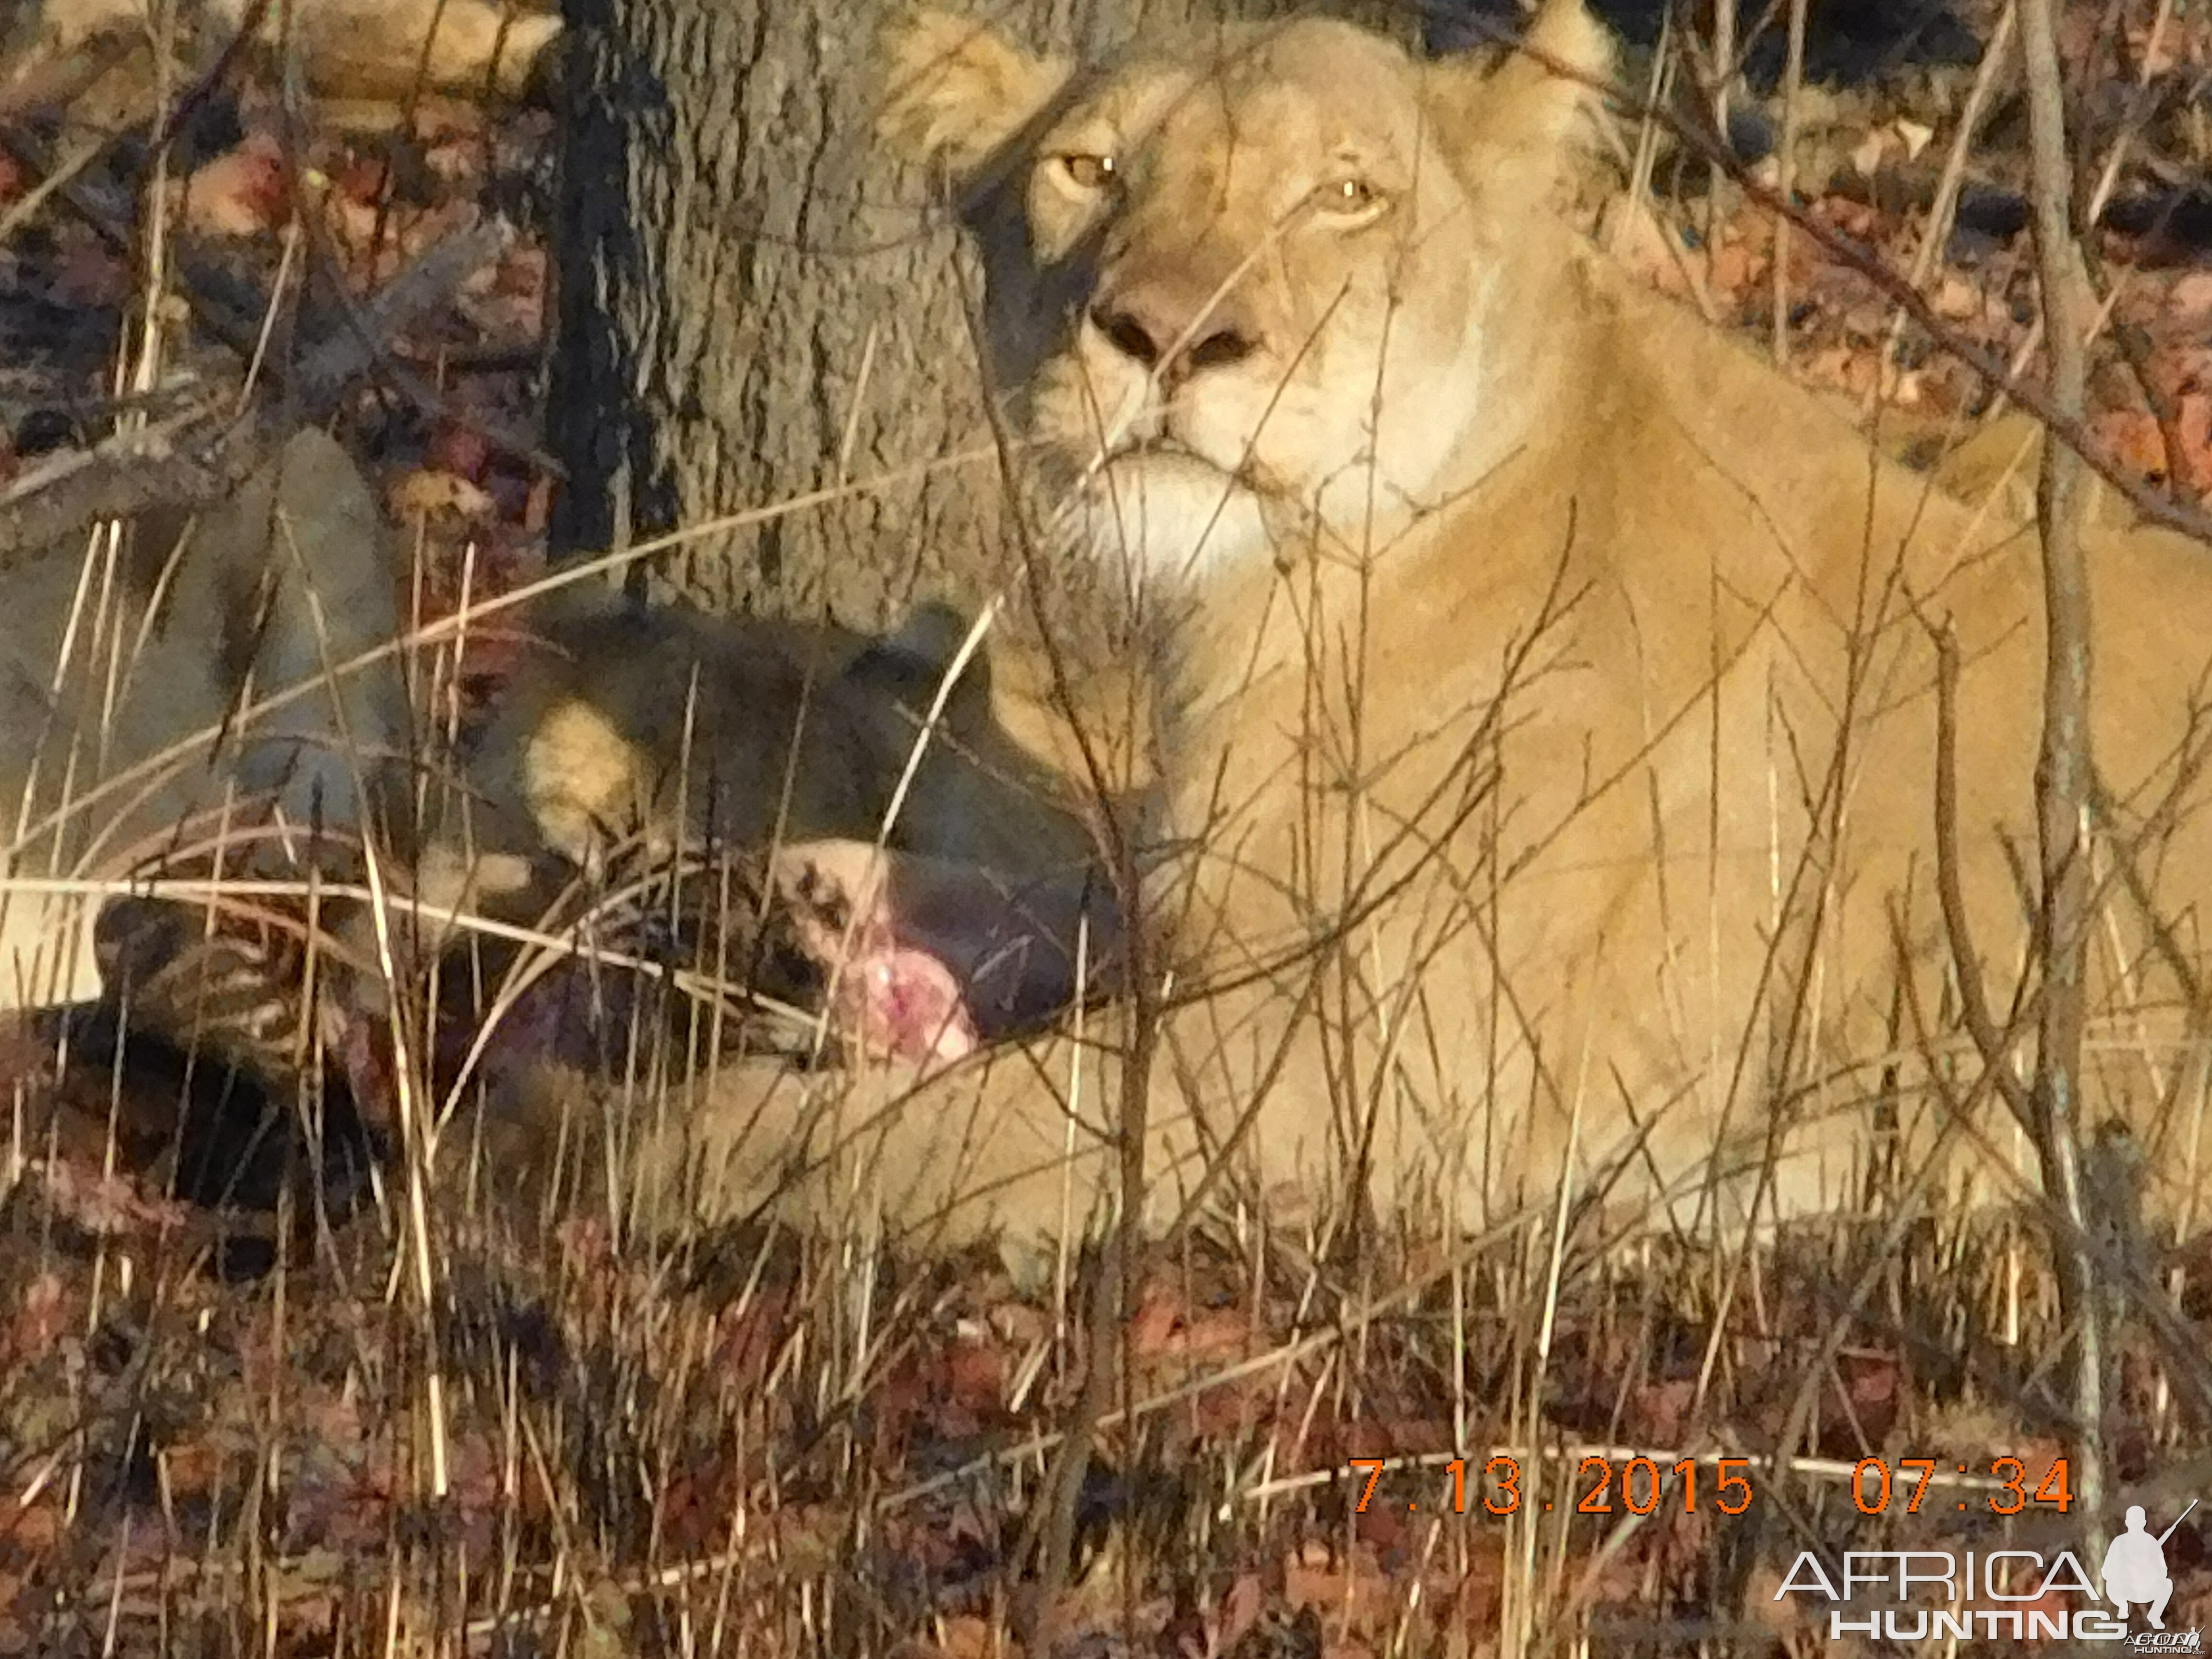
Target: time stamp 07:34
(1607,1485)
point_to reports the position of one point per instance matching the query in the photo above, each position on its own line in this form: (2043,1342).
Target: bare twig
(1793,80)
(1048,1535)
(192,458)
(124,475)
(2156,506)
(1944,209)
(249,20)
(2063,768)
(1995,1046)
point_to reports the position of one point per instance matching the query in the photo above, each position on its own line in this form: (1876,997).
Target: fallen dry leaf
(969,1637)
(461,451)
(1733,269)
(2190,296)
(2131,438)
(85,271)
(2193,425)
(1957,299)
(1238,1613)
(975,1376)
(1349,1587)
(105,1205)
(1657,1411)
(425,493)
(242,193)
(44,1311)
(1651,252)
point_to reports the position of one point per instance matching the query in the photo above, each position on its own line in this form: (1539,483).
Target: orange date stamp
(1880,1487)
(1620,1483)
(1602,1486)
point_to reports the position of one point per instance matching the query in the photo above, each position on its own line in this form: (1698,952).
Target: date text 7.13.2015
(1603,1485)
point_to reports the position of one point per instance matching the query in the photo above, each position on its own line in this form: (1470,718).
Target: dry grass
(763,1443)
(425,1419)
(421,1419)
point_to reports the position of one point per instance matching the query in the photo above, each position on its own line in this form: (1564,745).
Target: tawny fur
(674,729)
(359,52)
(659,729)
(1552,670)
(885,772)
(121,669)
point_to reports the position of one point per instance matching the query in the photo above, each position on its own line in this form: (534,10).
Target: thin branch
(1995,1046)
(179,462)
(1792,86)
(2063,768)
(2154,505)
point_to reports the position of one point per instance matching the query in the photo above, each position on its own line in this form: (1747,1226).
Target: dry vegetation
(350,1416)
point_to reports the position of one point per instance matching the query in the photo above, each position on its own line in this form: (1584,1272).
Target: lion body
(1545,701)
(380,52)
(123,676)
(882,772)
(1548,692)
(683,729)
(132,743)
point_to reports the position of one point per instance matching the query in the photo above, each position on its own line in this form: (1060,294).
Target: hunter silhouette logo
(2135,1568)
(2009,1595)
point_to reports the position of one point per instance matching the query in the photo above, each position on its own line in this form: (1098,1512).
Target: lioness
(670,732)
(1548,688)
(163,700)
(133,741)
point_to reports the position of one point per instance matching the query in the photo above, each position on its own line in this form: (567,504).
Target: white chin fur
(1166,517)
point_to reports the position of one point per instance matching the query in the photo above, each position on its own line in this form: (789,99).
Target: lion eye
(1347,198)
(1087,172)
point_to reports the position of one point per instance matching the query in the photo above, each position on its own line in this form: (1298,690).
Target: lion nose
(1173,337)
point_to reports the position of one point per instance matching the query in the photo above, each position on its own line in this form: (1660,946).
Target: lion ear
(1521,115)
(959,91)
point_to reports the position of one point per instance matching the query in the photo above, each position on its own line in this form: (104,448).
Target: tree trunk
(754,304)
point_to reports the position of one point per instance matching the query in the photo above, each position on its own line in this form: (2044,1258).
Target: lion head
(1278,269)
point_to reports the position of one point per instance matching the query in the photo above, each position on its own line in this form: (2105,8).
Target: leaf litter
(586,1445)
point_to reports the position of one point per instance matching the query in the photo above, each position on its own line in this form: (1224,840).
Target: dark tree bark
(750,291)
